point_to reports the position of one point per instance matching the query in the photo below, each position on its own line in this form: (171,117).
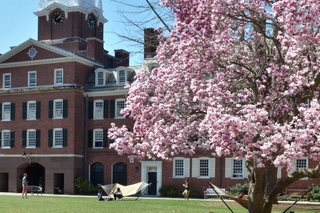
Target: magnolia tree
(239,78)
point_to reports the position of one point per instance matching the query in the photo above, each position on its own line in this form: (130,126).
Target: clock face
(57,18)
(91,21)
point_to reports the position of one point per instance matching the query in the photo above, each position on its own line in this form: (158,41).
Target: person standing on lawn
(186,191)
(24,186)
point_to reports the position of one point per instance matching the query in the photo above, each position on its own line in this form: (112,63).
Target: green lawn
(60,204)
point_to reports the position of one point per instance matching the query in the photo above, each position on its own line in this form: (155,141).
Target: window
(235,168)
(6,80)
(98,138)
(32,78)
(7,111)
(122,76)
(7,139)
(58,109)
(301,163)
(98,109)
(96,173)
(31,110)
(58,76)
(181,167)
(31,138)
(120,104)
(100,78)
(57,137)
(203,167)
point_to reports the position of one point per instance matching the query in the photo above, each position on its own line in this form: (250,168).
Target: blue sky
(19,23)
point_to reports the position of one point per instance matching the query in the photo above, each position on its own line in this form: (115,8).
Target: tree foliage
(239,78)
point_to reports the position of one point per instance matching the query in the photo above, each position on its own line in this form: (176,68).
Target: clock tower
(75,25)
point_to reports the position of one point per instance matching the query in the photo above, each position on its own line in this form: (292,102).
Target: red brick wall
(73,26)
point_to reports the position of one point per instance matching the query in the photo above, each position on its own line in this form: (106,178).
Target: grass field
(61,204)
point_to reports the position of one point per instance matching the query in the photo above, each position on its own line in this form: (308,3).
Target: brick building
(58,96)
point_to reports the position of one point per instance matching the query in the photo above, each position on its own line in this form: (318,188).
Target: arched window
(120,173)
(96,173)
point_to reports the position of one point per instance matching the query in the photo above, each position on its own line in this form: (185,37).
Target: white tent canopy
(128,190)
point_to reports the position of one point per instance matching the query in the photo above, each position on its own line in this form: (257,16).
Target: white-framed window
(203,167)
(58,76)
(181,167)
(120,104)
(57,137)
(58,108)
(235,168)
(121,77)
(32,78)
(6,111)
(100,78)
(31,138)
(98,109)
(5,139)
(6,80)
(31,110)
(301,163)
(98,138)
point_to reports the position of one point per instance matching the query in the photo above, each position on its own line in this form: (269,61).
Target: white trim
(55,76)
(95,117)
(3,112)
(54,138)
(35,78)
(186,167)
(116,107)
(28,138)
(48,61)
(2,140)
(3,80)
(28,117)
(106,93)
(145,165)
(94,138)
(54,109)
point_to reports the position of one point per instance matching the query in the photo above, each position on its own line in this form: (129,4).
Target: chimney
(122,56)
(151,42)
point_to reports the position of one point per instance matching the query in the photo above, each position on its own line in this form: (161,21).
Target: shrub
(85,187)
(314,194)
(170,191)
(175,191)
(236,189)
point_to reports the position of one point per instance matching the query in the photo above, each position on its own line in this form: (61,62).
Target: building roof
(64,56)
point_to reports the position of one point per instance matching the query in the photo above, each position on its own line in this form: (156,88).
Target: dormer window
(122,77)
(100,78)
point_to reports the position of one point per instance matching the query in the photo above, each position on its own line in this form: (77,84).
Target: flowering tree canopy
(239,78)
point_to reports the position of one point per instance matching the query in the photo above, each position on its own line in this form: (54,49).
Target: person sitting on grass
(100,198)
(118,194)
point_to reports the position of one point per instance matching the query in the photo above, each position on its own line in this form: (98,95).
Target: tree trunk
(261,186)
